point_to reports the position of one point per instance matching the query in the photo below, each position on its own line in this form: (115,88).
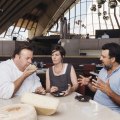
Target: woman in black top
(61,76)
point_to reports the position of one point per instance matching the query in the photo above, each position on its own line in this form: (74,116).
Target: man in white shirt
(17,76)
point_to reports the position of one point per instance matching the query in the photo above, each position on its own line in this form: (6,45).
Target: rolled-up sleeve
(6,84)
(6,90)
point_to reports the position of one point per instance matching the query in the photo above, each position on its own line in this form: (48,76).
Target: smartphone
(94,74)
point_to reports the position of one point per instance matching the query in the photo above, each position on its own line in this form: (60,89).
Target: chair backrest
(87,68)
(47,65)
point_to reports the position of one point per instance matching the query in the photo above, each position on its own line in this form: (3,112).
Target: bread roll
(31,67)
(44,104)
(18,112)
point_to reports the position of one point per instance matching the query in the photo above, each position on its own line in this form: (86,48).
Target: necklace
(58,69)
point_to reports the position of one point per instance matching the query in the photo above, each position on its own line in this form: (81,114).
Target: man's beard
(108,67)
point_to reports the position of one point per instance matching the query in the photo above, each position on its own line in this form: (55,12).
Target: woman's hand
(68,91)
(53,89)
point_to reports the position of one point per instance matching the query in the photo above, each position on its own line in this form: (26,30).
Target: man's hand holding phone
(99,84)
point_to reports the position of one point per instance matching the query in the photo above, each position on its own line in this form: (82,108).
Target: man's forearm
(18,83)
(91,87)
(115,97)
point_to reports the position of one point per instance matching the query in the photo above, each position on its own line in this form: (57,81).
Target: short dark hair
(19,48)
(114,50)
(60,49)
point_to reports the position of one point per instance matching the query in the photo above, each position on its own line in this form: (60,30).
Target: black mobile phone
(58,94)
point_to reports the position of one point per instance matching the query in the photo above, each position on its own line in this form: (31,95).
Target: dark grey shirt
(62,80)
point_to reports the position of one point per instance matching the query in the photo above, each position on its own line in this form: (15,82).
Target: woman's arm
(48,88)
(74,81)
(47,81)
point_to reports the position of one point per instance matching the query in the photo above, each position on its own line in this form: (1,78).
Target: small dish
(82,98)
(58,94)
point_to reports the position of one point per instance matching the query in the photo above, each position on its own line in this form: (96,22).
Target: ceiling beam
(51,19)
(18,13)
